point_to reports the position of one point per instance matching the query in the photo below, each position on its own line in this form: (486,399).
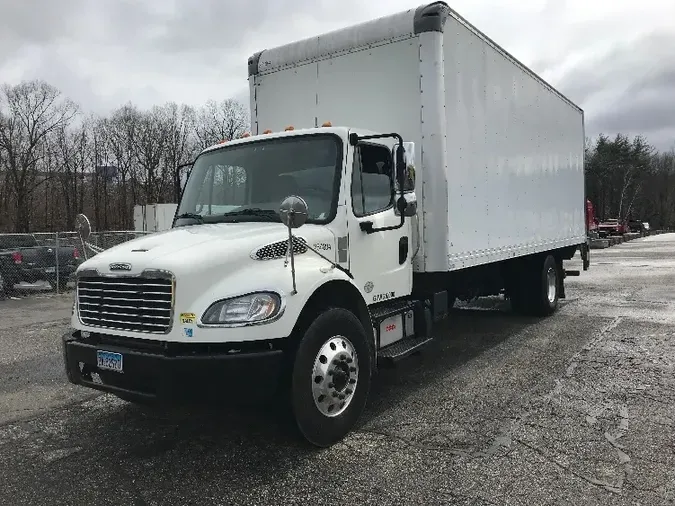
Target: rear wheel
(535,289)
(547,302)
(331,377)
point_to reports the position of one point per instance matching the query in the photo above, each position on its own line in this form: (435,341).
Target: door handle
(402,249)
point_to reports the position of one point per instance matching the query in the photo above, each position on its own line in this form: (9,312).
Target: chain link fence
(47,261)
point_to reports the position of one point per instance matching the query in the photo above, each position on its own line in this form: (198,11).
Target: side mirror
(83,226)
(408,166)
(293,211)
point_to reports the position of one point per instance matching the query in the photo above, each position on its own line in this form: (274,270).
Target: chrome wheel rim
(552,285)
(335,376)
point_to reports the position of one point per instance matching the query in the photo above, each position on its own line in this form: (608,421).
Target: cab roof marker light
(289,128)
(267,132)
(326,124)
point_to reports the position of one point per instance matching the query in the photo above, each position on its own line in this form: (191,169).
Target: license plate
(109,360)
(50,270)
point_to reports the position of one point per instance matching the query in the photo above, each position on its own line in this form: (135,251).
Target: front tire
(331,377)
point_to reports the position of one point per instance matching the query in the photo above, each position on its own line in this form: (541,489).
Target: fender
(339,291)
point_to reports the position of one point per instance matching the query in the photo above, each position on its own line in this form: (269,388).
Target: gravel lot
(575,409)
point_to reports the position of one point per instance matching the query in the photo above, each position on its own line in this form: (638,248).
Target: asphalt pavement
(578,408)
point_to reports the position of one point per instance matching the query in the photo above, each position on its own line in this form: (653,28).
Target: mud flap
(585,252)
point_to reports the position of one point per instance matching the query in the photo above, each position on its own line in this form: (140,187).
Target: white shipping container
(501,151)
(154,217)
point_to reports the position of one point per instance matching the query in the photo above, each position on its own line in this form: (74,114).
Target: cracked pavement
(578,408)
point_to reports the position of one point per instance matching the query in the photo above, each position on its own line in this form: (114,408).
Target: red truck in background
(612,226)
(591,220)
(596,228)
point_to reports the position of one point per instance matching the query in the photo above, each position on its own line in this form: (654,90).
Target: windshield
(247,182)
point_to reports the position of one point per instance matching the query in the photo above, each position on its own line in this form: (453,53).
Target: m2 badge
(188,318)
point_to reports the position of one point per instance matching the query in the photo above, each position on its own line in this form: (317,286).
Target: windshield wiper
(254,211)
(193,216)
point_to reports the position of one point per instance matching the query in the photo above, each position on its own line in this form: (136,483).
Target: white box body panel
(336,90)
(499,154)
(515,156)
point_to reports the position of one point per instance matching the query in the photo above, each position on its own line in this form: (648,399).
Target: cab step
(402,349)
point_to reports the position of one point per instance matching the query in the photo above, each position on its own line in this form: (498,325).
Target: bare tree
(181,146)
(226,120)
(149,143)
(120,130)
(29,113)
(73,146)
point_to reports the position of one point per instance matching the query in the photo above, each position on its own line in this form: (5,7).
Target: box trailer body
(502,152)
(154,217)
(304,255)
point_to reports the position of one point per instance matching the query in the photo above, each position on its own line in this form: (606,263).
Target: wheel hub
(551,282)
(334,376)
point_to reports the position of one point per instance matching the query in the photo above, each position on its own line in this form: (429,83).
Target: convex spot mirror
(409,163)
(293,211)
(83,226)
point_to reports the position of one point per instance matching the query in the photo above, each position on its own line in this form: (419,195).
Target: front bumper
(160,372)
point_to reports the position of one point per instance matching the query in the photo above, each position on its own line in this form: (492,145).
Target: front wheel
(331,377)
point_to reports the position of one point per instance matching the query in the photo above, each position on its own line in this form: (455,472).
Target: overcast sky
(614,58)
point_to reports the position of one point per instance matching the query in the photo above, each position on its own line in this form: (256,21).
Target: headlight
(252,308)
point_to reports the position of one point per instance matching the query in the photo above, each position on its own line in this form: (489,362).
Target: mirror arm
(292,255)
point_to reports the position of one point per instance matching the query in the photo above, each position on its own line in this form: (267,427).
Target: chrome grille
(139,304)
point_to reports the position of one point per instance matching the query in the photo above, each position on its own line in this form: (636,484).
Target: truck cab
(348,189)
(241,290)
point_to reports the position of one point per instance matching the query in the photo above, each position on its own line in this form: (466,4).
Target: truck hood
(199,247)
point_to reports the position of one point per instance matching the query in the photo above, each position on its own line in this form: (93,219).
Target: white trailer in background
(154,217)
(452,171)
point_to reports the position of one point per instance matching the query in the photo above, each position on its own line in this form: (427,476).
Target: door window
(372,180)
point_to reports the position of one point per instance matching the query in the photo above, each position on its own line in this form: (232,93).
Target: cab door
(379,261)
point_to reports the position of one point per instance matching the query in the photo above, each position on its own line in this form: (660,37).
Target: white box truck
(393,167)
